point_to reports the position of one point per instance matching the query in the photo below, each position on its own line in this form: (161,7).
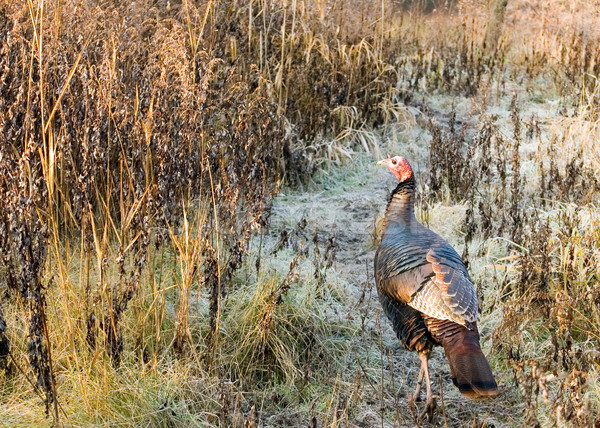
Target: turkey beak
(385,162)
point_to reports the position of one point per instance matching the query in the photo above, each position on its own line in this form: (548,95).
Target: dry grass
(142,147)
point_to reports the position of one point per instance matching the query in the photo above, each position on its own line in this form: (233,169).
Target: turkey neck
(401,206)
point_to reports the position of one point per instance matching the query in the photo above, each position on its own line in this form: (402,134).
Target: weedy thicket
(532,213)
(121,145)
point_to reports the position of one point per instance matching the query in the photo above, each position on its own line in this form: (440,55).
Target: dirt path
(345,203)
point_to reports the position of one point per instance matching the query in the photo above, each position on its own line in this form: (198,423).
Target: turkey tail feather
(471,372)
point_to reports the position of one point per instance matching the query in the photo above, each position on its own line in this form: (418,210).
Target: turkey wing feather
(434,282)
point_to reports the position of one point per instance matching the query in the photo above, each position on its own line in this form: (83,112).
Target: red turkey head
(399,167)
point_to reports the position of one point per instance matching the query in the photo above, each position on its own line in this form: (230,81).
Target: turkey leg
(430,403)
(416,396)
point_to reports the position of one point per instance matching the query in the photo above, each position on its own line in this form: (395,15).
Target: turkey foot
(430,406)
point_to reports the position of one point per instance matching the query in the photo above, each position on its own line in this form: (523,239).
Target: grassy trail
(347,202)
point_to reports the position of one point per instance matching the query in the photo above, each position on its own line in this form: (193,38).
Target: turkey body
(426,292)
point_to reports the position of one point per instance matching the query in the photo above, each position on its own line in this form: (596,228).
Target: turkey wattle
(426,292)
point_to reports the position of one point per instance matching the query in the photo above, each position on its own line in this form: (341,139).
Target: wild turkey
(426,292)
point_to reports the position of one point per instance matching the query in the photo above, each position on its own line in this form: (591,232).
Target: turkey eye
(394,162)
